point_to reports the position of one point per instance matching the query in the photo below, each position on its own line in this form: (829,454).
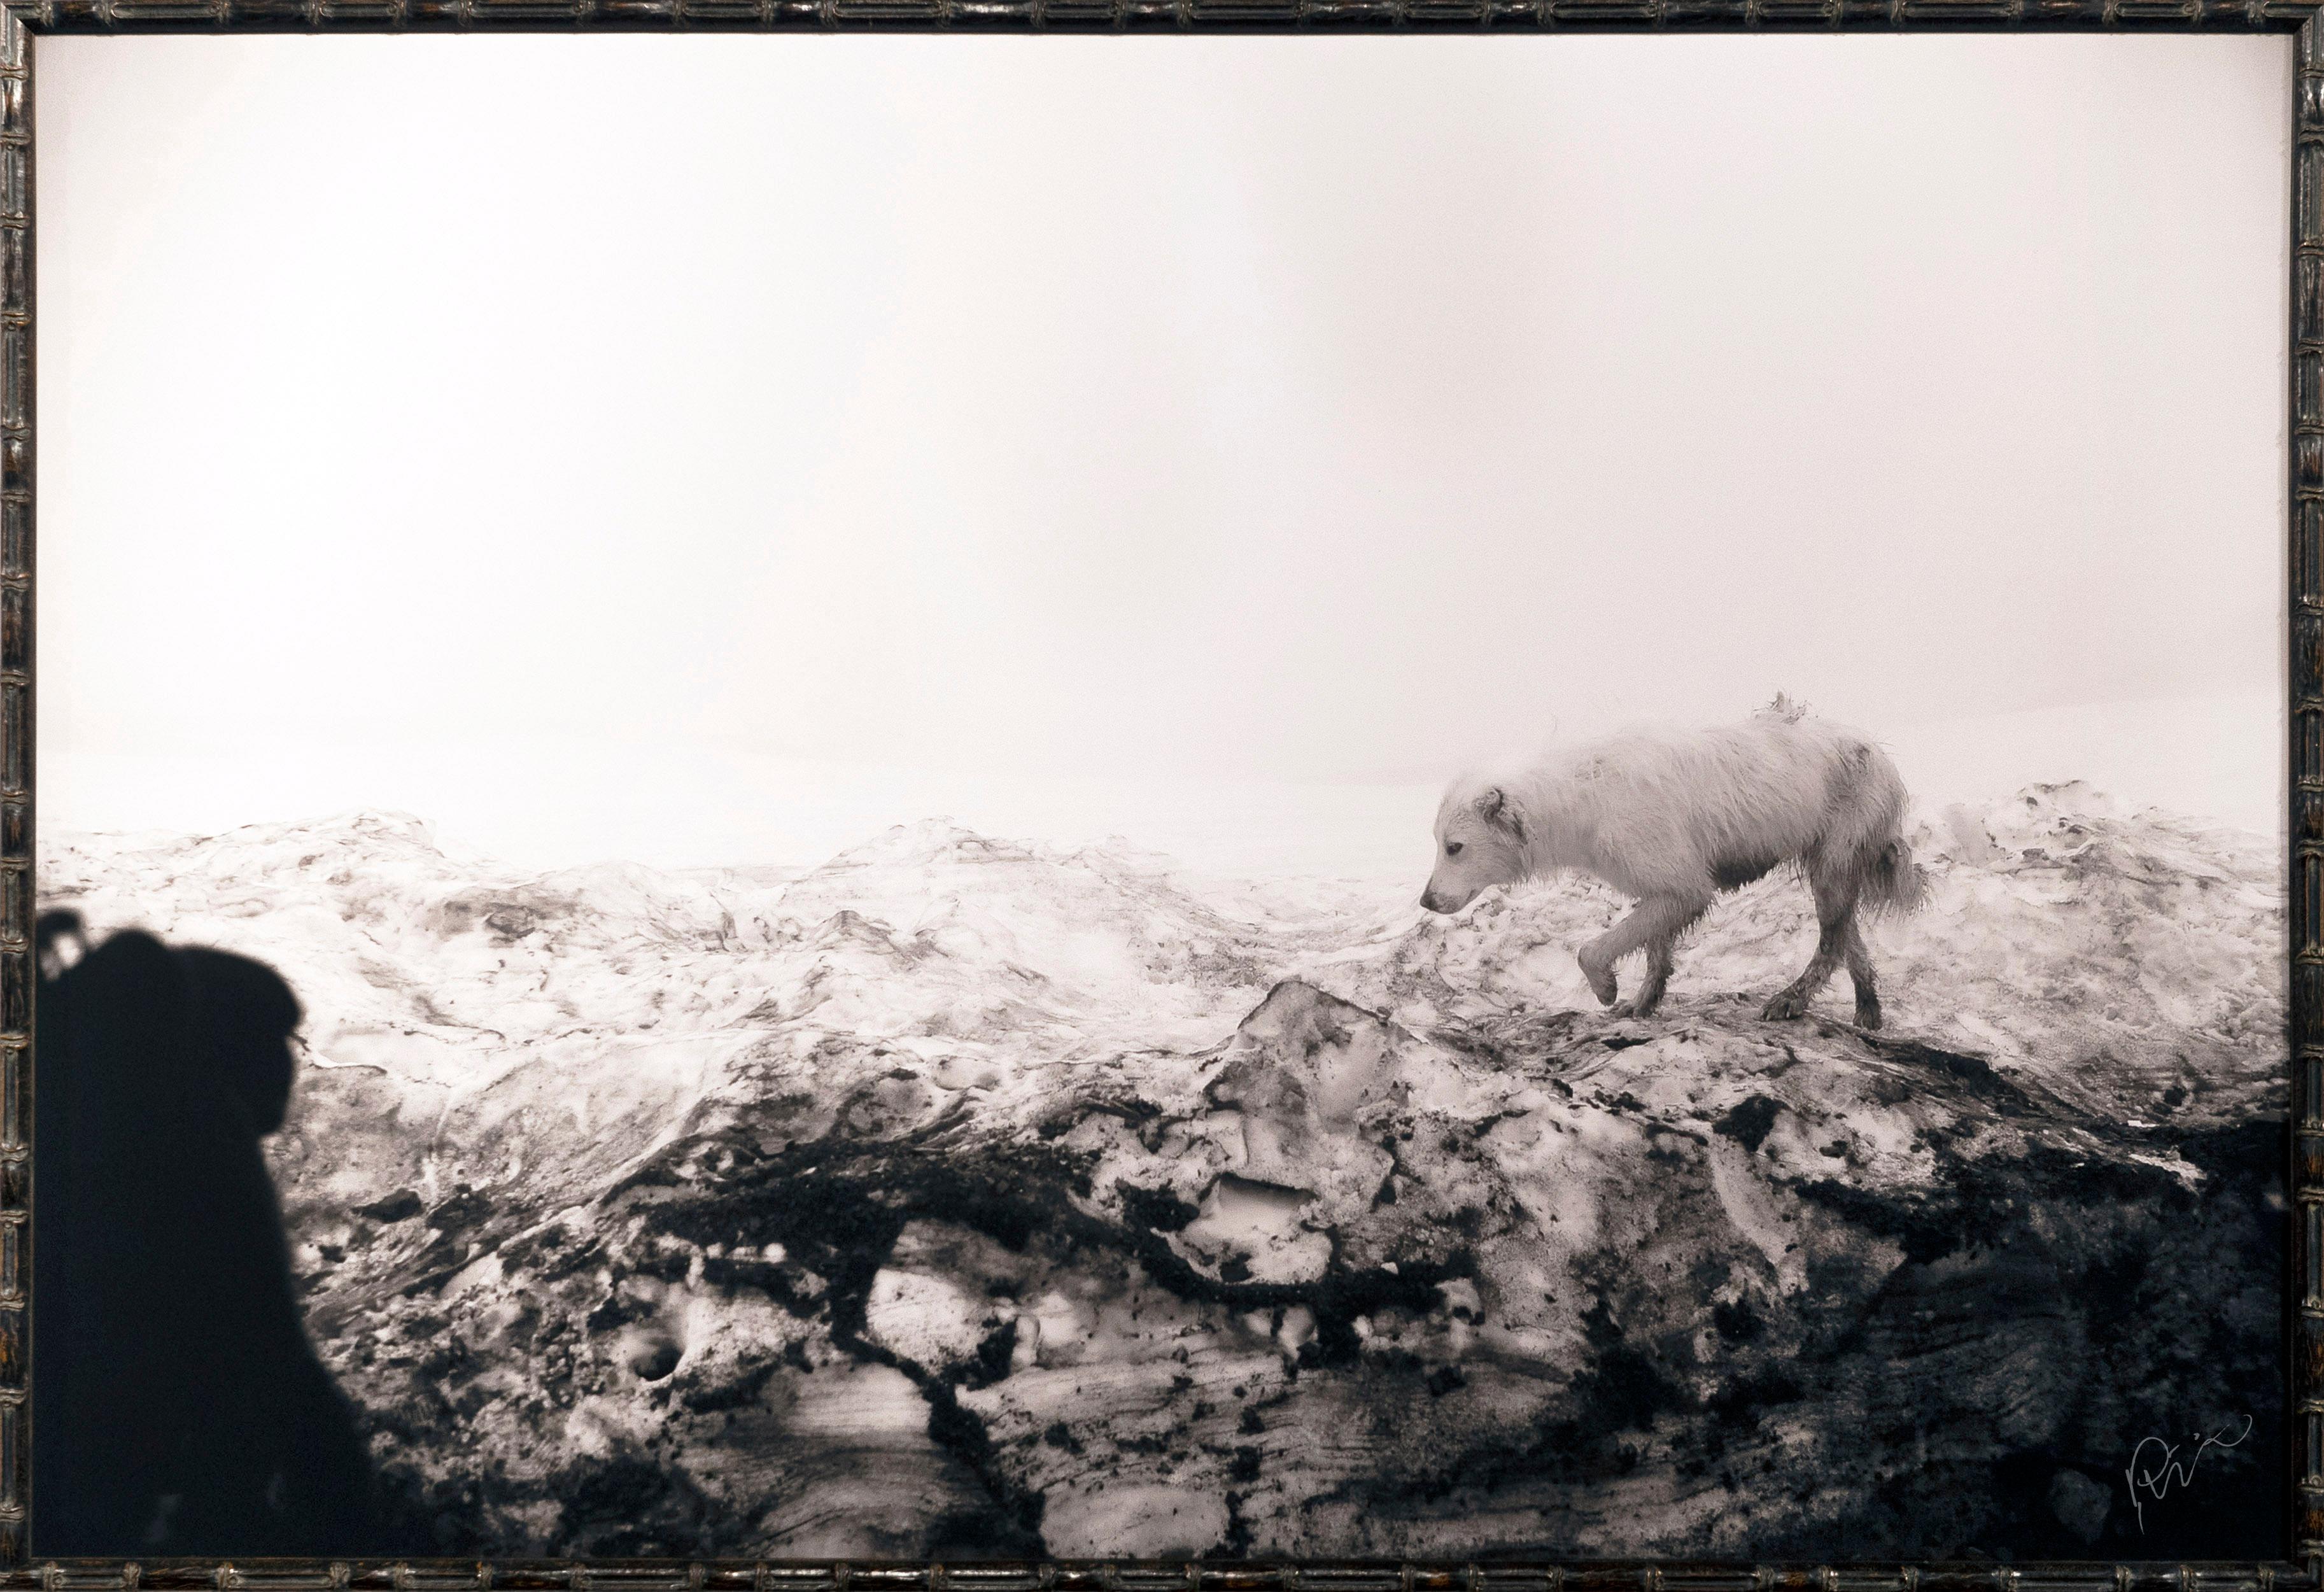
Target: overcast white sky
(714,449)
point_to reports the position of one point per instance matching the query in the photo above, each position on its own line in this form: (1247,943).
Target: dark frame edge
(1208,17)
(2305,763)
(21,19)
(255,1575)
(18,977)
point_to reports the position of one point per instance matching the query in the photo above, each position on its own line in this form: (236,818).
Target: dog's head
(1480,836)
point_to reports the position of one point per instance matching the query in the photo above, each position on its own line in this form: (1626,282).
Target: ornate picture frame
(23,25)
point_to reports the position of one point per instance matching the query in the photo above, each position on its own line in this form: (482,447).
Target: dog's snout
(1428,900)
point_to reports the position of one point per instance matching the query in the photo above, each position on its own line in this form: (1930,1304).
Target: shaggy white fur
(1673,818)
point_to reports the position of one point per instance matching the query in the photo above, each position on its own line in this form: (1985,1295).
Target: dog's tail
(1892,881)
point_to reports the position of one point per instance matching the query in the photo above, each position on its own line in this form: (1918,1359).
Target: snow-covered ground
(814,1213)
(2105,954)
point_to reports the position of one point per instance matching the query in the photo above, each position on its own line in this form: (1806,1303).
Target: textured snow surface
(962,1195)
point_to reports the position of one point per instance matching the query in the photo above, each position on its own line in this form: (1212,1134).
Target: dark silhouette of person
(177,1406)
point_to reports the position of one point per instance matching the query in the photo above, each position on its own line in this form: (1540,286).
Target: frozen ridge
(968,1194)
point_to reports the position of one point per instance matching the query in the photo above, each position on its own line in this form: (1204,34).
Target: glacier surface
(965,1196)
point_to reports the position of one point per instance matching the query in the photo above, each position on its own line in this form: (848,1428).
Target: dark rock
(1749,1123)
(399,1206)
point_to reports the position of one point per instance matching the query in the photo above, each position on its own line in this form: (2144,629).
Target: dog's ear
(1494,809)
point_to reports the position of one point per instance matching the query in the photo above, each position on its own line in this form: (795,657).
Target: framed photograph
(1161,793)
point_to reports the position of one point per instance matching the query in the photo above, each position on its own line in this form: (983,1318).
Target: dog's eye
(1452,848)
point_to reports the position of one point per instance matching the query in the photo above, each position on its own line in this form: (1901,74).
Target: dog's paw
(1601,982)
(1784,1007)
(1867,1013)
(1635,1007)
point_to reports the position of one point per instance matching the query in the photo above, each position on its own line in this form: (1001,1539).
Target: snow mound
(963,1196)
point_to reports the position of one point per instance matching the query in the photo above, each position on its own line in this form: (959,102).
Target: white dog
(1674,818)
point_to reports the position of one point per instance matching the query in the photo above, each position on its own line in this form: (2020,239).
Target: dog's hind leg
(1860,973)
(1793,1001)
(1835,900)
(1655,923)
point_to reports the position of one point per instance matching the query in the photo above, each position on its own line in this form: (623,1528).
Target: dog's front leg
(1661,952)
(1655,920)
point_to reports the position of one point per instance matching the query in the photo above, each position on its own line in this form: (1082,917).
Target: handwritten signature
(2166,1470)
